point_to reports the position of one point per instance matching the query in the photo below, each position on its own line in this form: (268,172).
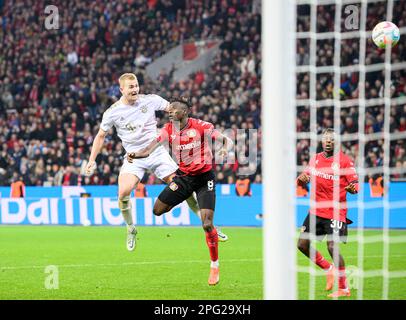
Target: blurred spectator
(17,189)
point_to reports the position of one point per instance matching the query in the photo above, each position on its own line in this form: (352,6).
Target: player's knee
(159,209)
(124,193)
(124,202)
(331,247)
(302,245)
(207,226)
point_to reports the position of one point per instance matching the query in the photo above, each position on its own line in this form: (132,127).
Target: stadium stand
(55,84)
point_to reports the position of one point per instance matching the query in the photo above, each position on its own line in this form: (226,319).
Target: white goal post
(278,148)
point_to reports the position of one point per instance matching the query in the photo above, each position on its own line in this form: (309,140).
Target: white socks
(124,204)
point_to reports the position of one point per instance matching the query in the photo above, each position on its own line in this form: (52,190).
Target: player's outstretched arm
(96,148)
(227,143)
(144,153)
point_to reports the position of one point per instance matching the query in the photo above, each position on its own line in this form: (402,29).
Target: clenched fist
(90,167)
(304,178)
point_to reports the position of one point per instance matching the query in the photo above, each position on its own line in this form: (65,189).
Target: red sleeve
(215,134)
(164,134)
(311,164)
(207,129)
(350,173)
(307,169)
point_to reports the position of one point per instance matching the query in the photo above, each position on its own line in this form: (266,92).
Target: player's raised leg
(126,183)
(194,206)
(160,207)
(212,243)
(343,289)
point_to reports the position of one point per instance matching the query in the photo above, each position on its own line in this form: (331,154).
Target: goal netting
(342,81)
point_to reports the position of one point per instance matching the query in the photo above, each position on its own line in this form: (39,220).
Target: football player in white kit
(133,116)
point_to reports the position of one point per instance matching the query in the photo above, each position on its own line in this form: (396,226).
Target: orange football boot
(340,293)
(214,276)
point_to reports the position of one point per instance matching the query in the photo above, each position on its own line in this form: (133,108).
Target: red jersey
(191,146)
(323,171)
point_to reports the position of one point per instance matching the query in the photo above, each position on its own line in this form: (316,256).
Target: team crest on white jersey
(144,109)
(191,133)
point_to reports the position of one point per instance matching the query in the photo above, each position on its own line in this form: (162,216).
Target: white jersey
(136,124)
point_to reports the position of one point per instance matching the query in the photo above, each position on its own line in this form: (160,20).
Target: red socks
(321,262)
(212,243)
(342,279)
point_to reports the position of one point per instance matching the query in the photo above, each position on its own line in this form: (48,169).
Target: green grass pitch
(168,263)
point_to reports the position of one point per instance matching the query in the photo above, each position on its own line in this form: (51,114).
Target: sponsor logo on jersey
(324,175)
(189,146)
(173,186)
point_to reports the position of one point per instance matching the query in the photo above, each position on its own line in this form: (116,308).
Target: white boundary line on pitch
(160,262)
(126,264)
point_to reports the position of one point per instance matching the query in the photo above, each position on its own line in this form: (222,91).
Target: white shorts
(159,162)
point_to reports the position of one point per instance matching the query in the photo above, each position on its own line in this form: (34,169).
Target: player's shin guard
(193,205)
(212,243)
(321,261)
(124,204)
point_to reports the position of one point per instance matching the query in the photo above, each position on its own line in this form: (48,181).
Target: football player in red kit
(190,140)
(323,172)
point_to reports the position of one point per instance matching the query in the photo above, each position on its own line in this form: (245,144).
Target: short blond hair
(126,76)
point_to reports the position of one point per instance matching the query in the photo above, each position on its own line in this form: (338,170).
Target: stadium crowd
(55,84)
(349,90)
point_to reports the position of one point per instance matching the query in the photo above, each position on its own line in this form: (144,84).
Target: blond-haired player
(133,116)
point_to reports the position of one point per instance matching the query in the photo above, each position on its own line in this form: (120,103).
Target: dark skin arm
(144,153)
(351,188)
(226,142)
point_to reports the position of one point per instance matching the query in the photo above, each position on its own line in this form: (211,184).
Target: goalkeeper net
(342,81)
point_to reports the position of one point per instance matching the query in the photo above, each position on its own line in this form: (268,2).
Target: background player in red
(190,143)
(322,171)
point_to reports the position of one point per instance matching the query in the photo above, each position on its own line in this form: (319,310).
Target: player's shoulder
(316,156)
(150,96)
(200,123)
(167,126)
(346,159)
(113,107)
